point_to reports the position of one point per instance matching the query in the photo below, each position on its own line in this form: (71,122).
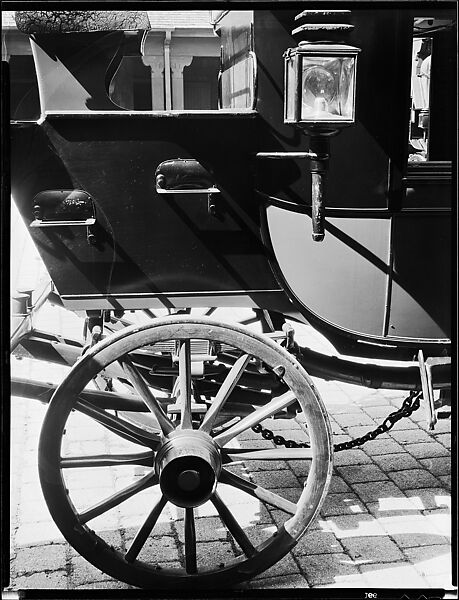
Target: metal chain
(409,405)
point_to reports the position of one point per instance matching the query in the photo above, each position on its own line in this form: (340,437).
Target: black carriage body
(381,274)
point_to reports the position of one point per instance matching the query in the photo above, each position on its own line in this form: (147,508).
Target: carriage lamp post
(319,97)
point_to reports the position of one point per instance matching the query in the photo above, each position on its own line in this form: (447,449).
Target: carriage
(317,190)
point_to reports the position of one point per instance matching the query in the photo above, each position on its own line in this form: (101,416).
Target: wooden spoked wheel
(200,499)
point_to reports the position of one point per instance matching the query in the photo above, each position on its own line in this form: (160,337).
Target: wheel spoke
(147,396)
(269,454)
(108,460)
(125,430)
(117,498)
(226,388)
(233,526)
(143,533)
(190,542)
(185,384)
(257,492)
(258,415)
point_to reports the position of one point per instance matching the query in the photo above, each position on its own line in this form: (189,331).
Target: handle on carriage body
(320,146)
(184,176)
(318,155)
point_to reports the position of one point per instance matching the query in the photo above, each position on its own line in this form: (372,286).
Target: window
(433,96)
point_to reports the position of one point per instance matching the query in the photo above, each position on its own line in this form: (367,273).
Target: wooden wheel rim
(93,548)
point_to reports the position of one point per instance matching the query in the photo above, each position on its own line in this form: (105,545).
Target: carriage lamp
(319,97)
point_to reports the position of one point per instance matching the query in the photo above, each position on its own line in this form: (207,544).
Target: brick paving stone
(33,512)
(106,584)
(382,446)
(436,465)
(375,490)
(376,549)
(361,473)
(260,532)
(377,413)
(34,560)
(413,478)
(211,554)
(295,580)
(285,566)
(325,568)
(38,581)
(396,462)
(389,507)
(410,436)
(37,534)
(429,498)
(355,419)
(278,517)
(350,457)
(344,581)
(426,450)
(207,530)
(89,479)
(359,525)
(279,479)
(337,485)
(409,531)
(336,429)
(444,439)
(376,399)
(266,465)
(259,444)
(300,468)
(338,439)
(446,481)
(252,513)
(430,560)
(317,542)
(83,572)
(343,503)
(398,575)
(160,549)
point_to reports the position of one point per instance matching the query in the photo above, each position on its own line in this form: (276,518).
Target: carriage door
(421,236)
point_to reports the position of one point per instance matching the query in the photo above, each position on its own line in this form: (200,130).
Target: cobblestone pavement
(385,521)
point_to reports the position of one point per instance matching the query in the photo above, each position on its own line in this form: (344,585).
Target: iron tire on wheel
(254,558)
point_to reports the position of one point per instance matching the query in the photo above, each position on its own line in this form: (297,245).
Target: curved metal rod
(371,375)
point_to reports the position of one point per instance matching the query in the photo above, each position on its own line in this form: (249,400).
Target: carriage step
(427,383)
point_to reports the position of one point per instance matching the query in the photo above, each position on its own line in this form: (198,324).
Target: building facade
(178,69)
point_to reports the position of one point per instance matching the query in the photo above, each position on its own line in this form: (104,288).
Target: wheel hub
(188,465)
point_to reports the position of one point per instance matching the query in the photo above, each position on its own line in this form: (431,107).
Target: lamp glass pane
(290,83)
(328,88)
